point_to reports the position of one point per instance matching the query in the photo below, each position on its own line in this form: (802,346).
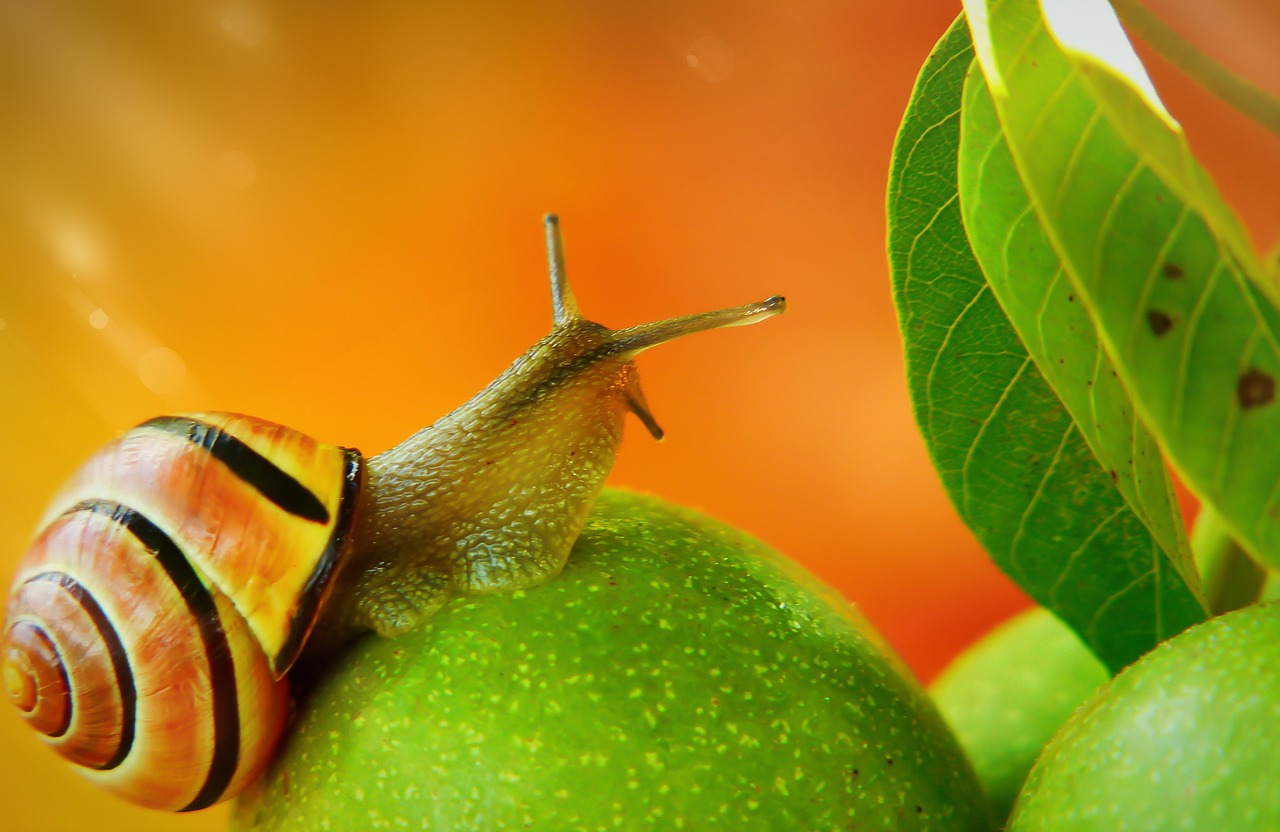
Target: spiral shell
(176,578)
(172,584)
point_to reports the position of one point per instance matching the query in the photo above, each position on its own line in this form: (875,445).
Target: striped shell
(171,585)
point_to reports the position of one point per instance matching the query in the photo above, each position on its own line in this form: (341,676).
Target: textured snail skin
(491,497)
(184,569)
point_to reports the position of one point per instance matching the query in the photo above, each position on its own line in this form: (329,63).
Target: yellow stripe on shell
(253,551)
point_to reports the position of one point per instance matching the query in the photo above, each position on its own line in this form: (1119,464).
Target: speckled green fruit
(677,675)
(1008,694)
(1186,738)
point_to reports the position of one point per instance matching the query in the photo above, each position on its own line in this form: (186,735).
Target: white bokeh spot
(245,24)
(711,58)
(162,370)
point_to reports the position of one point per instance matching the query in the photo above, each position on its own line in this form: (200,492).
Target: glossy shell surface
(171,583)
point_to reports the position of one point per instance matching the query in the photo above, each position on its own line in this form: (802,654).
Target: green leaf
(1028,279)
(1176,293)
(1011,459)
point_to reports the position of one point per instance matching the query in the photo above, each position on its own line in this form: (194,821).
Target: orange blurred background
(331,218)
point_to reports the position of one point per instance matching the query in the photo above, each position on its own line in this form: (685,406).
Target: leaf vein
(1180,375)
(1149,281)
(1079,550)
(1105,606)
(982,430)
(1064,179)
(1031,503)
(1104,227)
(1226,441)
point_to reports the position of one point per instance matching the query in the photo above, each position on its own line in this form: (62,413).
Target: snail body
(183,570)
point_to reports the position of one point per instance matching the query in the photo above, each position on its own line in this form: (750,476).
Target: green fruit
(677,675)
(1008,694)
(1186,738)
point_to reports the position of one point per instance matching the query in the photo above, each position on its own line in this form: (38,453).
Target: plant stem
(1231,87)
(1231,578)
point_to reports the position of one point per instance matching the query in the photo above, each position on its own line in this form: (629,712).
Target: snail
(181,572)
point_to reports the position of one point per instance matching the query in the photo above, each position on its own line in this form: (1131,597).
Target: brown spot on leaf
(1172,271)
(1115,477)
(1159,322)
(1255,389)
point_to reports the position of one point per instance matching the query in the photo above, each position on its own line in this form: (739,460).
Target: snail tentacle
(181,572)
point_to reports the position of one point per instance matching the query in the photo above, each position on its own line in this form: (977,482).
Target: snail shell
(181,572)
(172,585)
